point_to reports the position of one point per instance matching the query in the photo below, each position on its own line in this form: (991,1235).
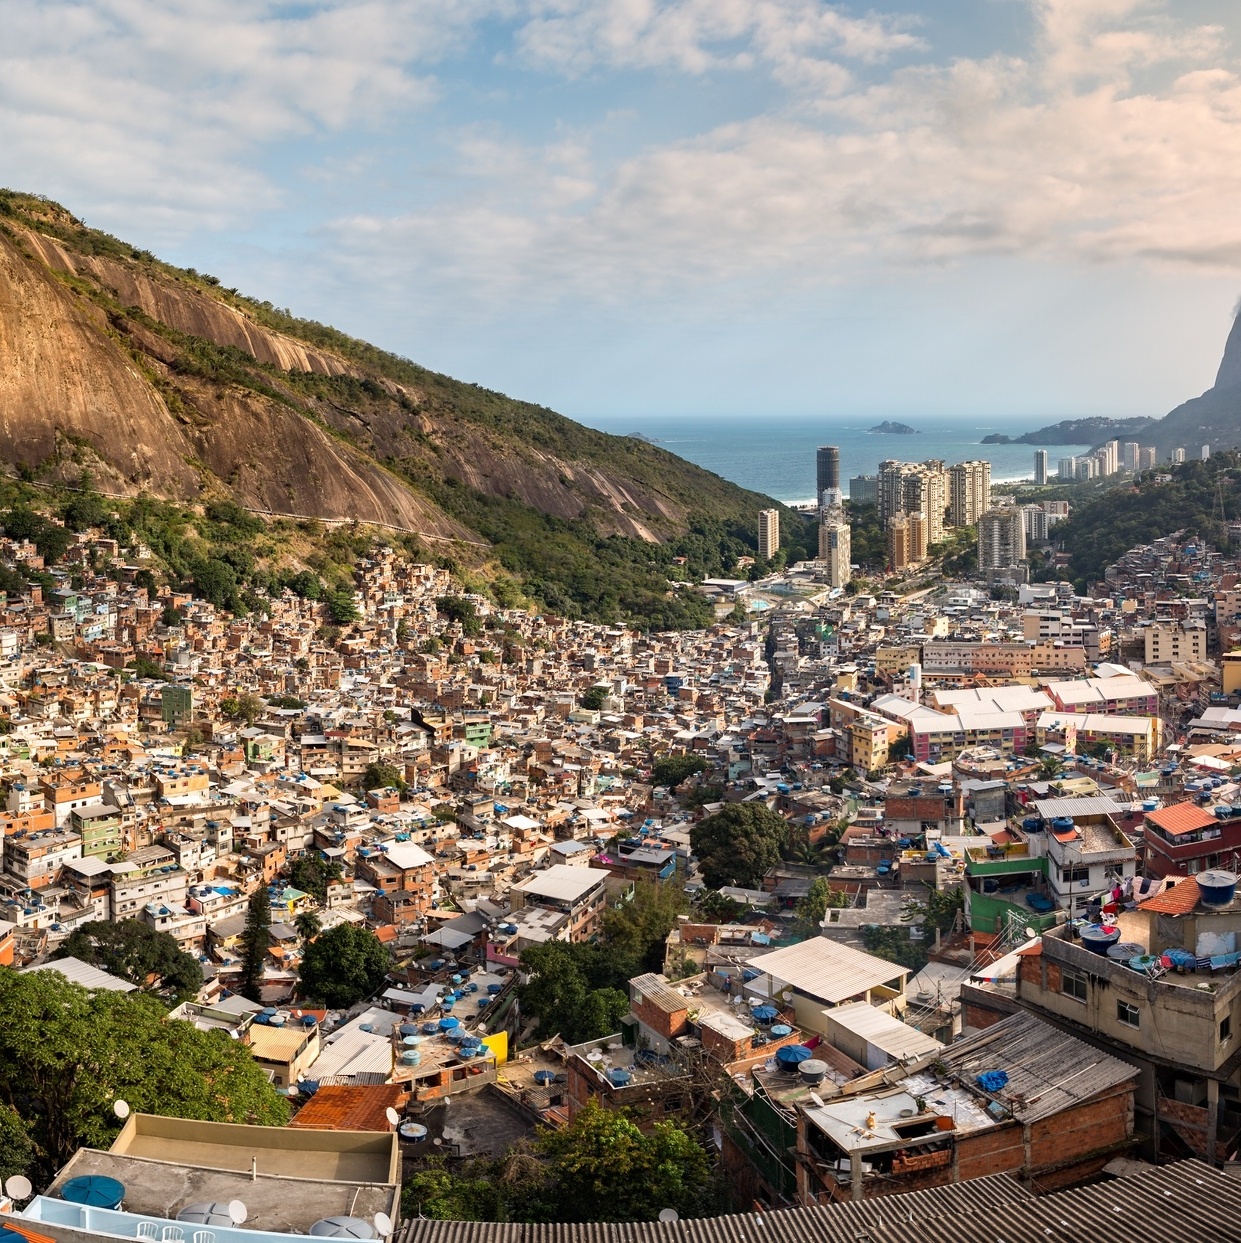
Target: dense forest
(1193,500)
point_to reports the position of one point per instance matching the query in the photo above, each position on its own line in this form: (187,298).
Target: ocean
(775,454)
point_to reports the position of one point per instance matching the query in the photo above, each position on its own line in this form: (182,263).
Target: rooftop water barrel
(791,1056)
(1217,888)
(411,1057)
(1032,824)
(618,1078)
(1062,824)
(1150,804)
(1099,938)
(812,1070)
(1122,951)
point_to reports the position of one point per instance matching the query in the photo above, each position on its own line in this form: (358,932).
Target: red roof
(337,1107)
(1180,899)
(1181,818)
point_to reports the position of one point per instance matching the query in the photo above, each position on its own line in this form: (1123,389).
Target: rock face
(1214,418)
(158,380)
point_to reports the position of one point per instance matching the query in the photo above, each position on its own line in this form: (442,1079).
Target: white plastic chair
(147,1230)
(204,1236)
(171,1234)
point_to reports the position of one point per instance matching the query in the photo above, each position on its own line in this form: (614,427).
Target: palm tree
(308,925)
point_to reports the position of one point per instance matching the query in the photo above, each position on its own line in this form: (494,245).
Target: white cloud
(162,105)
(1055,155)
(795,37)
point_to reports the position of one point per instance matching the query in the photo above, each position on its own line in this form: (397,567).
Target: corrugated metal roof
(78,972)
(898,1040)
(357,1108)
(827,969)
(1099,805)
(1048,1070)
(1163,1204)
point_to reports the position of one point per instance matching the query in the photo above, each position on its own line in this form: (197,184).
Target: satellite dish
(1031,933)
(18,1187)
(392,1116)
(383,1223)
(121,1109)
(669,1215)
(238,1212)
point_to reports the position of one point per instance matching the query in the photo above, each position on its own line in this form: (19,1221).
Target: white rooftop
(562,882)
(828,970)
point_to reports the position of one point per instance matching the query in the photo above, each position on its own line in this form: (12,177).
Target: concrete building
(1129,456)
(577,893)
(827,473)
(907,540)
(864,489)
(1168,641)
(768,533)
(1067,469)
(1040,467)
(1001,540)
(969,492)
(1178,456)
(836,547)
(914,488)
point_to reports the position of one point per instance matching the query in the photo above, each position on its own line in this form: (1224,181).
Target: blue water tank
(1099,938)
(791,1056)
(1217,888)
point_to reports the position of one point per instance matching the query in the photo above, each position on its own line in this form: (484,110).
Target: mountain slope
(157,379)
(1212,419)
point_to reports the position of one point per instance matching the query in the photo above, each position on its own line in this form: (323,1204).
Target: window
(1127,1014)
(1225,1029)
(672,1105)
(1073,983)
(1074,875)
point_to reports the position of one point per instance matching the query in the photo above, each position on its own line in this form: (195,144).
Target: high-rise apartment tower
(827,472)
(768,533)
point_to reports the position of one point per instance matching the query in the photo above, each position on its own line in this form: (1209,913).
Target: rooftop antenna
(18,1187)
(669,1215)
(121,1109)
(393,1118)
(238,1212)
(383,1223)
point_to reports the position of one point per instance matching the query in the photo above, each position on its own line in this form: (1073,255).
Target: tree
(255,942)
(246,707)
(342,966)
(341,607)
(459,609)
(595,698)
(308,925)
(606,1169)
(381,776)
(215,580)
(572,990)
(66,1054)
(738,844)
(639,928)
(812,909)
(16,1146)
(312,874)
(671,770)
(138,953)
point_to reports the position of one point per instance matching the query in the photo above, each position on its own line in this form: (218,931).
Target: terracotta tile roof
(337,1107)
(1181,818)
(386,933)
(1179,900)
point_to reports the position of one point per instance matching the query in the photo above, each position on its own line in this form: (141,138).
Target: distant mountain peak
(1229,374)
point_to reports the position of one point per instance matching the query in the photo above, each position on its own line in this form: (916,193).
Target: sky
(1014,208)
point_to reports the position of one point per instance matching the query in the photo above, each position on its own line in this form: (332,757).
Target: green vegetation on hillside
(409,420)
(1103,529)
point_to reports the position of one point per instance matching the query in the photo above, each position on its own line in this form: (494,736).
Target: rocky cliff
(1212,419)
(160,380)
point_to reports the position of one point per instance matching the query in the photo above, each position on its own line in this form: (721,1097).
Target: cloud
(794,37)
(164,104)
(1055,155)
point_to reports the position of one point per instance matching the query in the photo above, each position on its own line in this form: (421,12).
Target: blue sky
(1016,207)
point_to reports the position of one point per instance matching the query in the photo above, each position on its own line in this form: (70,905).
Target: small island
(888,428)
(996,438)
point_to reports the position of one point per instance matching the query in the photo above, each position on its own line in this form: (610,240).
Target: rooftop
(827,969)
